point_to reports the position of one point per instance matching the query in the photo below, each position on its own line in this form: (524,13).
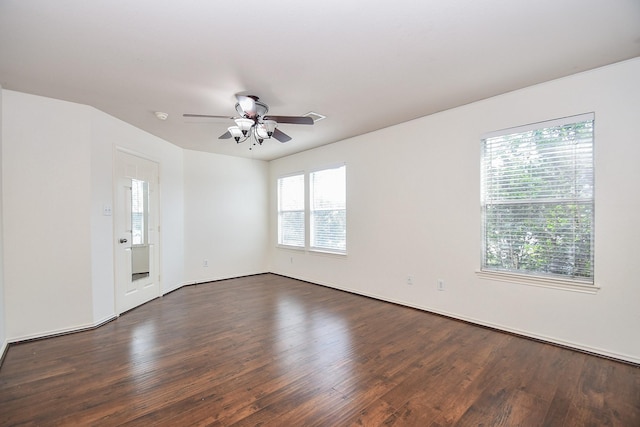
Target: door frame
(116,232)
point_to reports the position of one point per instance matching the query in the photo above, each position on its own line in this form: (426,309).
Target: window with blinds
(291,211)
(328,229)
(537,199)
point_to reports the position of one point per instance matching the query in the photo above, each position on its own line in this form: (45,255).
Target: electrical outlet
(205,263)
(291,259)
(440,284)
(409,280)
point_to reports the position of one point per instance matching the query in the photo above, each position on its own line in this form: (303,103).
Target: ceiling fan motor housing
(257,109)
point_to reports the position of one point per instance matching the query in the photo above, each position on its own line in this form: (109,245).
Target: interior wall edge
(3,320)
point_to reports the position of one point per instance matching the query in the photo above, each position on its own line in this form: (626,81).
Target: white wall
(46,193)
(413,200)
(58,175)
(226,216)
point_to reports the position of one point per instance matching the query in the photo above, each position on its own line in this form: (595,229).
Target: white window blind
(537,199)
(328,209)
(291,210)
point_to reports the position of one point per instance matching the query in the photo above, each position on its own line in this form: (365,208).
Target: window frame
(308,246)
(537,278)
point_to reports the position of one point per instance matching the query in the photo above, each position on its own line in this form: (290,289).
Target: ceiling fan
(254,122)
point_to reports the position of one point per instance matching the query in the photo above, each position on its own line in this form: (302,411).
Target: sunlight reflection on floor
(308,336)
(142,353)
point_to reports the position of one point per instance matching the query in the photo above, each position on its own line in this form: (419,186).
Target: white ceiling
(364,64)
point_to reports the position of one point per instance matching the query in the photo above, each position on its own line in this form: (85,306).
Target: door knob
(123,240)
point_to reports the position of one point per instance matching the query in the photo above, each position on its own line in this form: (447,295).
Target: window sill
(313,250)
(291,248)
(328,252)
(542,282)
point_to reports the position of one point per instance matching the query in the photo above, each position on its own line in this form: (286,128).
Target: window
(139,192)
(324,205)
(291,210)
(328,209)
(537,199)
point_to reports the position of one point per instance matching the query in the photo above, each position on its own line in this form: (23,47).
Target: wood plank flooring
(271,351)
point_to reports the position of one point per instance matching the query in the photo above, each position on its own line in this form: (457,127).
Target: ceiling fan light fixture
(261,132)
(244,125)
(235,132)
(269,126)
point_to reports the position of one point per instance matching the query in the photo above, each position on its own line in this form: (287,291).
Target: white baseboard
(539,337)
(62,331)
(551,340)
(176,287)
(220,278)
(3,350)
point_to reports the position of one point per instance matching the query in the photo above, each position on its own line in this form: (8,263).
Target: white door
(136,231)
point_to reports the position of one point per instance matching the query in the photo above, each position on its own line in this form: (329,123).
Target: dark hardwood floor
(272,351)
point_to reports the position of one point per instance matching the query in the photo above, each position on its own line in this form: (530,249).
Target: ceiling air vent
(315,116)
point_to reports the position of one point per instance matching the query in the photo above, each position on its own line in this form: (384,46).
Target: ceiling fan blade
(296,120)
(281,136)
(208,116)
(225,135)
